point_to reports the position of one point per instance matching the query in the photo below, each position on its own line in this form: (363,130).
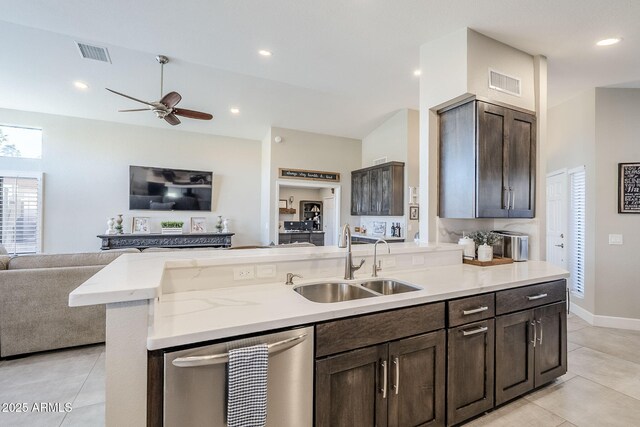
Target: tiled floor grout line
(81,386)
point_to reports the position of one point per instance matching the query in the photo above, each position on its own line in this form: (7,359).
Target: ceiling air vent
(379,161)
(98,53)
(504,83)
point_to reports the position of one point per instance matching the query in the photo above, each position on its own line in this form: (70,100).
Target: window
(20,142)
(577,196)
(20,213)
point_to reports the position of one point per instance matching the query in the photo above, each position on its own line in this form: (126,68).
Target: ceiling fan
(165,108)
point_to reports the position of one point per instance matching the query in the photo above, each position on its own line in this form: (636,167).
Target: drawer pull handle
(475,331)
(535,297)
(475,310)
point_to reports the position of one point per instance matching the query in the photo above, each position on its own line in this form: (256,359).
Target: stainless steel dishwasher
(195,381)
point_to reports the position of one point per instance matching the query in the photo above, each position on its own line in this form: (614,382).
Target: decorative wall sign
(306,174)
(414,213)
(629,188)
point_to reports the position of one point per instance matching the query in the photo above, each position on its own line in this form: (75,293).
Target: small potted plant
(484,241)
(172,227)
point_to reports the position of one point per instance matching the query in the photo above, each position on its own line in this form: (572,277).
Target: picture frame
(629,188)
(140,225)
(414,213)
(198,224)
(282,204)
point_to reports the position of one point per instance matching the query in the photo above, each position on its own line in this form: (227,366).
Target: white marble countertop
(190,317)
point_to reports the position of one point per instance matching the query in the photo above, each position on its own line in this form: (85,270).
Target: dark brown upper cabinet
(378,190)
(487,162)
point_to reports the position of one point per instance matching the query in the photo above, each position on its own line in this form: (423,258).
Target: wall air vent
(97,53)
(379,161)
(504,83)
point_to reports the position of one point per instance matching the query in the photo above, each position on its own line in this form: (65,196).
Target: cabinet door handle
(396,364)
(535,297)
(505,195)
(509,199)
(533,325)
(384,379)
(513,199)
(475,331)
(539,321)
(475,310)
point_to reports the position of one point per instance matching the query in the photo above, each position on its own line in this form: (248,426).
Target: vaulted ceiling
(338,66)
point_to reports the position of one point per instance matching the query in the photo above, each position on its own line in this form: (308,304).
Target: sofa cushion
(4,261)
(66,260)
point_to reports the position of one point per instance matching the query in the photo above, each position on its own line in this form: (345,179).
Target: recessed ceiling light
(417,72)
(609,42)
(234,110)
(264,52)
(80,85)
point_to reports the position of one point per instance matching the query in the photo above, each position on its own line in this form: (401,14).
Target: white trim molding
(606,321)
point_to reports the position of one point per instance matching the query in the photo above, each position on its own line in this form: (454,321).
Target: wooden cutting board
(494,261)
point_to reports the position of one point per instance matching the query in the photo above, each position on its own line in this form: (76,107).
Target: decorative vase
(119,224)
(468,247)
(485,253)
(225,225)
(110,224)
(219,224)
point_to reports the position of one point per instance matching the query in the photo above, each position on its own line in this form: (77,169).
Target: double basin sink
(327,292)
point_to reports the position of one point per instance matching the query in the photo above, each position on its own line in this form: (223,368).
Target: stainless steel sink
(332,292)
(388,287)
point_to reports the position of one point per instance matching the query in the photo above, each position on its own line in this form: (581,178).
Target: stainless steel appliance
(512,245)
(195,381)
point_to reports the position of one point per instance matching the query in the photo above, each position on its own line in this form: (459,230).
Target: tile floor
(602,387)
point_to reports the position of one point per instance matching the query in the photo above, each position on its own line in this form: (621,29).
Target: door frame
(304,184)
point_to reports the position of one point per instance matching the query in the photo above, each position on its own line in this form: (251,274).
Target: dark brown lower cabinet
(470,370)
(396,384)
(531,349)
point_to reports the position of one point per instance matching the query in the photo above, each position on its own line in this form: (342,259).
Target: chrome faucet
(345,242)
(376,267)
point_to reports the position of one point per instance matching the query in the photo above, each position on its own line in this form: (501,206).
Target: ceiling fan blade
(172,119)
(192,114)
(136,109)
(171,99)
(130,97)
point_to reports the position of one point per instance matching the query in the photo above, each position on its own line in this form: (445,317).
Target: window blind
(20,214)
(577,227)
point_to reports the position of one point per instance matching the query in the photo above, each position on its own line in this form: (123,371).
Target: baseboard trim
(606,321)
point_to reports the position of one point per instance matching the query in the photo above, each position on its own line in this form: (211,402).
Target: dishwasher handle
(216,359)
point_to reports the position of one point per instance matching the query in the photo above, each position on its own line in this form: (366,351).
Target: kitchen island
(161,301)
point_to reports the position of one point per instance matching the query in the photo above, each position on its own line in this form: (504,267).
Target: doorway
(557,218)
(293,192)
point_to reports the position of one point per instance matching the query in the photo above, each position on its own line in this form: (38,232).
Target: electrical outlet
(388,262)
(418,260)
(615,239)
(268,270)
(243,273)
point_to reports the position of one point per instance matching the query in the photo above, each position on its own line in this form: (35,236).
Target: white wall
(86,176)
(312,151)
(571,144)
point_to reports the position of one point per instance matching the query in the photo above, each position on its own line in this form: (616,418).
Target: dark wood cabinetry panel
(487,162)
(517,299)
(551,342)
(514,355)
(349,389)
(417,378)
(471,309)
(356,332)
(470,353)
(378,190)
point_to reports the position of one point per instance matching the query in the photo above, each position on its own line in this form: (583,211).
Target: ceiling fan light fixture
(609,42)
(264,52)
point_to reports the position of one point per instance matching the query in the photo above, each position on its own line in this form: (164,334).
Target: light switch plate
(615,239)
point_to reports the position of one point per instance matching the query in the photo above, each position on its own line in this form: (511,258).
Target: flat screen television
(163,189)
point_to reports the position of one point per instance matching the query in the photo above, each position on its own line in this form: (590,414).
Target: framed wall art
(629,188)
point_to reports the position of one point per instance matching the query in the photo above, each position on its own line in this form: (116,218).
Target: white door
(329,220)
(557,218)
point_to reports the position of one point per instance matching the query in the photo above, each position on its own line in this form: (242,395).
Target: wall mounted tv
(162,189)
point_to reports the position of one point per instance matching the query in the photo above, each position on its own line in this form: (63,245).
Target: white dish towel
(247,386)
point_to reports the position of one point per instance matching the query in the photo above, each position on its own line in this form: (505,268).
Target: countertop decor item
(225,225)
(469,247)
(494,261)
(219,225)
(110,226)
(485,241)
(140,225)
(172,227)
(119,224)
(198,224)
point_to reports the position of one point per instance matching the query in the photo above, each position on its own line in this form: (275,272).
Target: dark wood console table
(142,241)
